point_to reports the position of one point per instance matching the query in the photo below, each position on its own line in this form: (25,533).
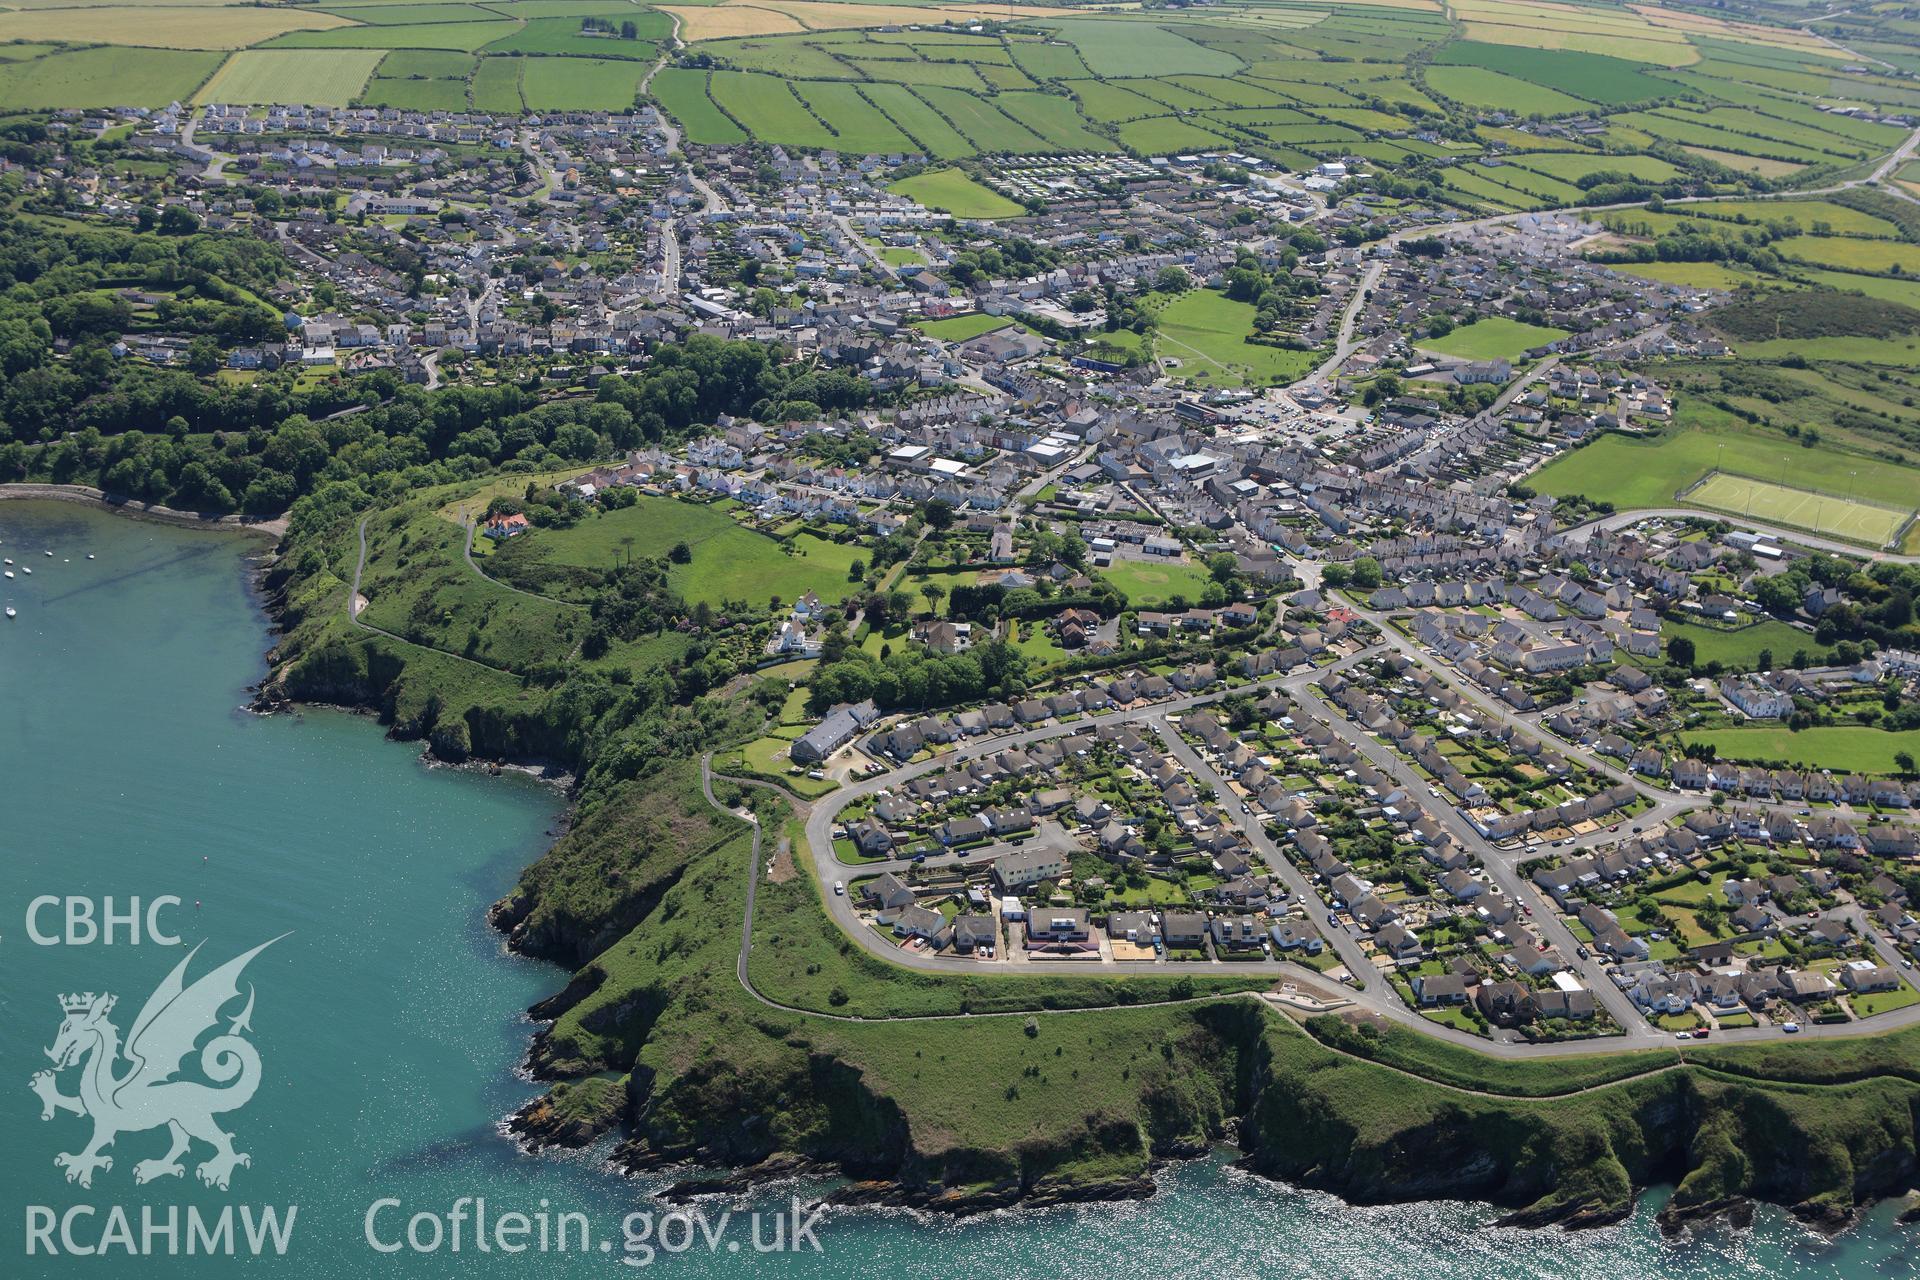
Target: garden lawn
(1884,1001)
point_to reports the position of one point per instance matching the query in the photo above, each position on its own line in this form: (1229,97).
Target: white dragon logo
(146,1096)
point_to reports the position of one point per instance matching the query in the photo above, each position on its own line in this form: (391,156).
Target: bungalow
(919,922)
(889,894)
(1399,942)
(1863,976)
(1440,988)
(1186,929)
(1131,926)
(962,830)
(974,933)
(1290,935)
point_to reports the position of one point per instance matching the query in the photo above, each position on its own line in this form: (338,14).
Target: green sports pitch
(1867,523)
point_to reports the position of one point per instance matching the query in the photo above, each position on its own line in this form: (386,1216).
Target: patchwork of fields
(504,56)
(1292,82)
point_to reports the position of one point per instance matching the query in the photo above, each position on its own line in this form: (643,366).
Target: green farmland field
(986,125)
(1054,118)
(1595,77)
(860,125)
(1164,135)
(394,15)
(729,562)
(1740,648)
(1479,87)
(417,94)
(332,77)
(462,36)
(1573,166)
(925,125)
(1115,49)
(563,35)
(683,92)
(496,84)
(768,109)
(579,84)
(84,77)
(429,64)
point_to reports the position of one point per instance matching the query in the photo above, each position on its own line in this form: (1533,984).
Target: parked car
(1791,1028)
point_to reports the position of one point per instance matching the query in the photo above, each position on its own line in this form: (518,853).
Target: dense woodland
(72,411)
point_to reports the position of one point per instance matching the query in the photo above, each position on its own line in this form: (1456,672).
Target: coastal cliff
(964,1094)
(971,1113)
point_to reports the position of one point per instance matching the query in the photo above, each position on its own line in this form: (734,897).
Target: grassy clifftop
(970,1093)
(910,1083)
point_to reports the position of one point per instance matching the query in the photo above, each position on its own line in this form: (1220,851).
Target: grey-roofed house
(835,730)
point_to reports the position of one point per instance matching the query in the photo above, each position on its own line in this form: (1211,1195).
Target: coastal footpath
(714,1017)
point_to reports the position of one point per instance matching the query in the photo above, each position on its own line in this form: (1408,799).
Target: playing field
(1632,472)
(955,192)
(1209,334)
(1149,584)
(960,328)
(1495,338)
(1854,521)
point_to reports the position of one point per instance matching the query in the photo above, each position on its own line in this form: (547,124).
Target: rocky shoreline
(1489,1149)
(120,505)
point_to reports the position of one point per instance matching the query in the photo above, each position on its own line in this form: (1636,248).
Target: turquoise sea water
(389,1021)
